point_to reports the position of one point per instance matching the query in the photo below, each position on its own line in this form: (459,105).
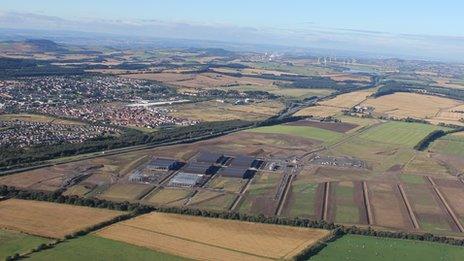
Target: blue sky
(408,28)
(435,17)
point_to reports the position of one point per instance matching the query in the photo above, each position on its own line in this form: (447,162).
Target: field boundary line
(240,196)
(325,212)
(370,219)
(191,240)
(283,198)
(412,216)
(445,203)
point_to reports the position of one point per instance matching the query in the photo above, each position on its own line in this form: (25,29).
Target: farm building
(237,172)
(182,179)
(198,168)
(246,162)
(163,164)
(213,158)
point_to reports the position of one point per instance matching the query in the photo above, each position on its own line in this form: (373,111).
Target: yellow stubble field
(49,219)
(213,239)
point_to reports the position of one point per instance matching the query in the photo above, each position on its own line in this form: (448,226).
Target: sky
(393,25)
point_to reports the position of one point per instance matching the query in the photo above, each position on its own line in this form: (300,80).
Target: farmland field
(399,105)
(207,238)
(167,196)
(347,100)
(399,133)
(353,247)
(301,131)
(227,184)
(212,200)
(97,248)
(50,219)
(125,192)
(319,111)
(450,145)
(12,242)
(302,197)
(260,195)
(346,209)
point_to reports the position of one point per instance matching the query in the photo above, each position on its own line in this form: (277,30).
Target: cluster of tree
(27,67)
(19,157)
(391,87)
(433,136)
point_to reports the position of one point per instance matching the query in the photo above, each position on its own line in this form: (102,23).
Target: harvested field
(347,100)
(399,105)
(206,238)
(125,192)
(319,111)
(49,219)
(169,197)
(331,126)
(387,206)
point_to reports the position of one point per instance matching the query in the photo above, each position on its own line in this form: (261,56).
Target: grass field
(207,238)
(399,133)
(97,248)
(301,131)
(352,247)
(346,210)
(12,242)
(450,145)
(49,219)
(227,184)
(212,200)
(37,118)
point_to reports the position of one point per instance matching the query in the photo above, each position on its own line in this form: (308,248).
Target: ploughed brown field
(50,219)
(213,239)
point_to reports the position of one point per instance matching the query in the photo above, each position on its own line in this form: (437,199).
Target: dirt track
(447,207)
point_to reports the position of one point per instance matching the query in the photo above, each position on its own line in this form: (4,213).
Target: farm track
(411,214)
(325,204)
(445,204)
(239,198)
(283,198)
(367,204)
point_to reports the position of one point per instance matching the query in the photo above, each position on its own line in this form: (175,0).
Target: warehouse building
(182,179)
(242,161)
(213,158)
(237,172)
(163,164)
(198,168)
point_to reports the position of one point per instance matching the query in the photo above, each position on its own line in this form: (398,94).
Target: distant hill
(32,46)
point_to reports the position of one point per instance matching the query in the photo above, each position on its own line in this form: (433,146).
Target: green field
(12,242)
(346,209)
(301,131)
(303,198)
(96,248)
(360,248)
(450,145)
(399,133)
